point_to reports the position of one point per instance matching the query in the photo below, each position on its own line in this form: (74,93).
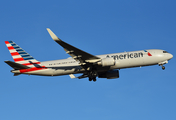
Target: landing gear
(94,79)
(90,79)
(163,67)
(92,75)
(162,63)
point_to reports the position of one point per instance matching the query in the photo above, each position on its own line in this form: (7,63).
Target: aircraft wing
(79,55)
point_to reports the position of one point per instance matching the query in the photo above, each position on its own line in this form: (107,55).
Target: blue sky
(97,27)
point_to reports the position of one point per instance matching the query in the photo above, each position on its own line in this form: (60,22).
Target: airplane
(91,66)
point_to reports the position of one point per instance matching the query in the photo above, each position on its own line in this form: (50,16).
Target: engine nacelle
(107,62)
(109,74)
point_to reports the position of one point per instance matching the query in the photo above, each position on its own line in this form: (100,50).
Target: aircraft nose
(170,56)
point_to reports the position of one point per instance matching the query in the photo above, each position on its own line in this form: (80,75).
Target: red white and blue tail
(20,56)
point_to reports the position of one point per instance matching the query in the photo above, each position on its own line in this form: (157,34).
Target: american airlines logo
(149,54)
(126,56)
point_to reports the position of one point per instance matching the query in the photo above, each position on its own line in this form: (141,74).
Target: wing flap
(79,77)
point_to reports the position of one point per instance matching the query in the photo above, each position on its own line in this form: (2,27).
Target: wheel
(94,79)
(90,79)
(163,67)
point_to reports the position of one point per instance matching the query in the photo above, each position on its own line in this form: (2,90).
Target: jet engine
(109,74)
(107,62)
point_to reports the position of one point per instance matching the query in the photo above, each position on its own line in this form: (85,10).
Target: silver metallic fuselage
(122,60)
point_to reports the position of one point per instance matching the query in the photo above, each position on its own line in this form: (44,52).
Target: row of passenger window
(62,63)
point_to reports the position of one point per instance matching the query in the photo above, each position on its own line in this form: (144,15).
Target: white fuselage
(122,60)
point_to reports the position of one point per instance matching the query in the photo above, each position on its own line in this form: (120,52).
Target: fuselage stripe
(31,63)
(32,69)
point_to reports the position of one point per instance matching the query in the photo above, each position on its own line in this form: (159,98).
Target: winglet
(53,36)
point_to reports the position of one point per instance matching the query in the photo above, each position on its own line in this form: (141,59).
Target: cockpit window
(165,52)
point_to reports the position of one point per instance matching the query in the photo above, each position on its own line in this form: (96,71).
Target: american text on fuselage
(126,56)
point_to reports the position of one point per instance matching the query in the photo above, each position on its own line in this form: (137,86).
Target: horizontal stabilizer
(16,66)
(16,74)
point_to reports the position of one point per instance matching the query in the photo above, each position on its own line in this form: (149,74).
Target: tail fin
(20,56)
